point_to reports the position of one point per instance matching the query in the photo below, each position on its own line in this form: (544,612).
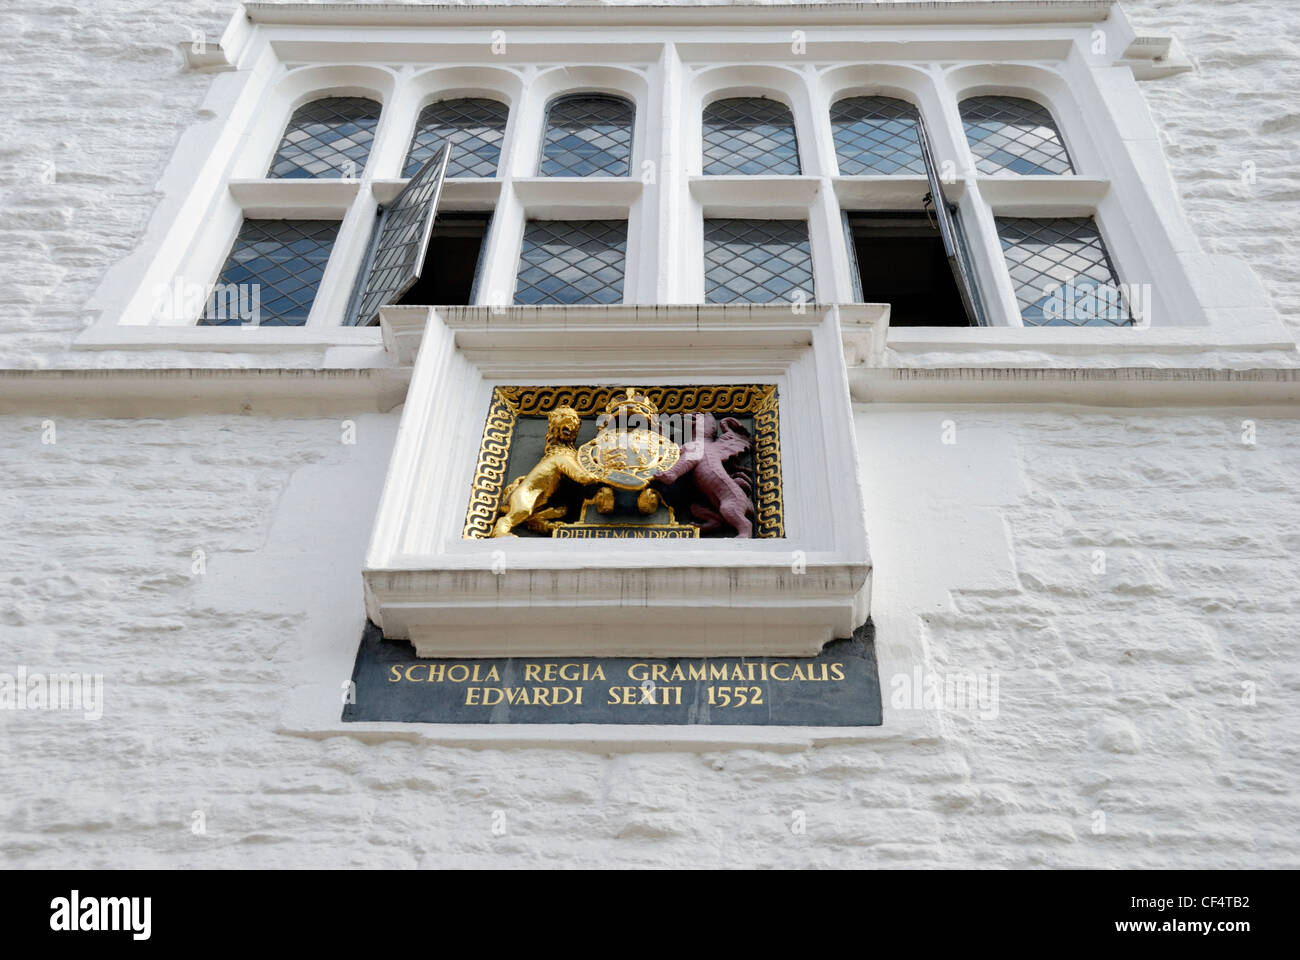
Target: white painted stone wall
(1119,692)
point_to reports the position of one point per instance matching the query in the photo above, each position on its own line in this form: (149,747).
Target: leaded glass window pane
(572,261)
(1062,273)
(1008,134)
(877,135)
(588,136)
(757,261)
(749,135)
(272,274)
(399,248)
(475,129)
(327,138)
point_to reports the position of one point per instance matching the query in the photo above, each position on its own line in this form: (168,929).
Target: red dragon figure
(706,458)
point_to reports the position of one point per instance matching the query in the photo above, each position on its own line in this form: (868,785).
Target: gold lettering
(489,700)
(569,671)
(435,673)
(632,672)
(717,671)
(395,673)
(472,695)
(493,675)
(677,673)
(598,675)
(542,695)
(531,671)
(697,672)
(777,676)
(414,666)
(578,702)
(659,673)
(464,673)
(798,672)
(737,672)
(548,671)
(555,696)
(837,671)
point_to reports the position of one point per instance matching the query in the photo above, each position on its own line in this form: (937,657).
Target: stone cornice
(902,12)
(269,391)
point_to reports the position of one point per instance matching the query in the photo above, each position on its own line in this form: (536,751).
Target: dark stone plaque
(837,688)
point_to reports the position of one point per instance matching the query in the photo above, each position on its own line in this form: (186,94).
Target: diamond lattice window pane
(748,136)
(588,136)
(398,252)
(1062,273)
(877,135)
(757,261)
(327,138)
(272,274)
(474,128)
(1008,134)
(572,261)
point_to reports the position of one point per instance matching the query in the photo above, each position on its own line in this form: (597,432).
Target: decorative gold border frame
(510,403)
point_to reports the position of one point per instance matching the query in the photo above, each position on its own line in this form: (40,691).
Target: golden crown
(632,402)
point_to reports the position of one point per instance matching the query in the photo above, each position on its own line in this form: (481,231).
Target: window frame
(573,97)
(668,71)
(520,267)
(806,238)
(338,173)
(440,99)
(230,256)
(706,160)
(1056,126)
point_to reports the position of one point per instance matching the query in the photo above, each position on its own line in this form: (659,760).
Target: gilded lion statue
(524,500)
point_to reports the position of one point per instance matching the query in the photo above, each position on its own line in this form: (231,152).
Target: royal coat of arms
(612,464)
(630,448)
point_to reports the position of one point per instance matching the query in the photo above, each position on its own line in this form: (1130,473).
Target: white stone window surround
(670,70)
(455,596)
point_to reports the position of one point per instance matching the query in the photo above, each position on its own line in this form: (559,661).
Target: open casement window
(954,237)
(395,258)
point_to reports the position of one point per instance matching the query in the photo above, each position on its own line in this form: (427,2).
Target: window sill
(1063,346)
(577,197)
(1086,365)
(767,197)
(241,339)
(561,329)
(295,199)
(1036,196)
(457,193)
(890,193)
